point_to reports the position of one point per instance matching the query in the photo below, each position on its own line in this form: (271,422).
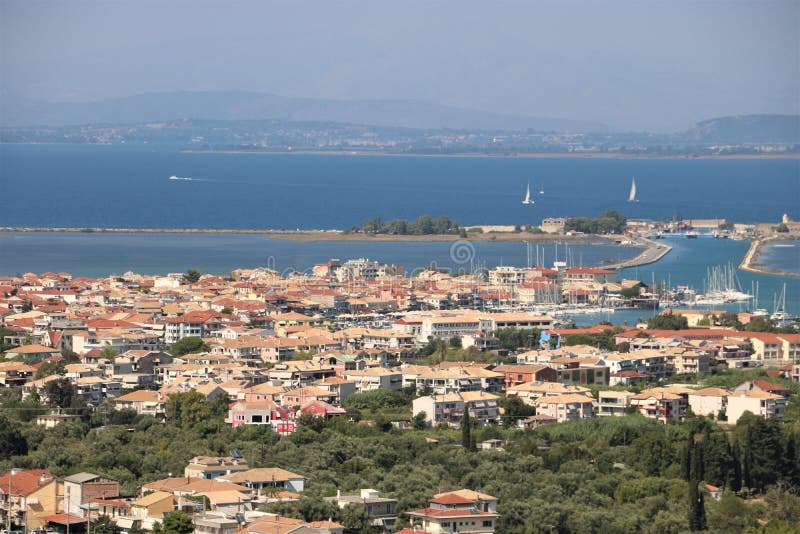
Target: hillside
(229,105)
(746,129)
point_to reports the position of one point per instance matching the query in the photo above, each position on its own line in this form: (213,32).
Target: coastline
(749,262)
(335,235)
(652,253)
(528,155)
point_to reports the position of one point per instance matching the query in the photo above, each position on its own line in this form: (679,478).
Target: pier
(652,253)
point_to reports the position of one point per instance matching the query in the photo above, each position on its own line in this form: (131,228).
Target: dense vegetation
(422,225)
(624,474)
(610,222)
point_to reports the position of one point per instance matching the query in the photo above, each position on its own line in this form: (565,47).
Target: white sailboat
(632,195)
(528,199)
(541,190)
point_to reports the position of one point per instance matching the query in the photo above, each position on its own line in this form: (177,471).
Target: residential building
(452,512)
(660,405)
(450,409)
(261,480)
(709,401)
(514,375)
(214,466)
(613,403)
(382,511)
(29,496)
(144,402)
(569,407)
(83,487)
(759,403)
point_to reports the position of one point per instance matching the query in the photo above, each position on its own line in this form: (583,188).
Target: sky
(633,65)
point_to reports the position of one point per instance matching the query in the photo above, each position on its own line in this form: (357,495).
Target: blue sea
(118,186)
(126,186)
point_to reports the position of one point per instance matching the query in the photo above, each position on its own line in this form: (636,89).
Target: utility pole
(8,519)
(66,490)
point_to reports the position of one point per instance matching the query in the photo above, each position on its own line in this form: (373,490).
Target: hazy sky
(630,64)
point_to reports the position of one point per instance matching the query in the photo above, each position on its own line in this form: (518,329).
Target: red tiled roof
(25,482)
(451,499)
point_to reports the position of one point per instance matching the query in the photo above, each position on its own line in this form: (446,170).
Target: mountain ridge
(241,105)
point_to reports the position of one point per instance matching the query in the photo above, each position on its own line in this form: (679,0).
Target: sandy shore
(337,235)
(750,263)
(544,155)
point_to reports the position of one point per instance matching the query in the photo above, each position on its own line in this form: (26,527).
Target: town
(355,343)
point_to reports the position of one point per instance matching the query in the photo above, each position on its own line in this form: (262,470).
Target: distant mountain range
(227,105)
(747,129)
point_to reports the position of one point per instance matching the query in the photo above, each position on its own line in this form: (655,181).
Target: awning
(63,519)
(124,522)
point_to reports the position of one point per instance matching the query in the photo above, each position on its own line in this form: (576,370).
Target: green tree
(668,321)
(188,345)
(515,408)
(104,525)
(455,342)
(227,310)
(12,442)
(50,368)
(177,522)
(579,339)
(60,393)
(356,519)
(420,421)
(697,509)
(108,353)
(467,439)
(192,275)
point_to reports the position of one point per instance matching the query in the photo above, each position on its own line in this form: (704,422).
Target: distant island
(265,124)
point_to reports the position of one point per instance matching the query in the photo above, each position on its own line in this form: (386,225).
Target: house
(614,403)
(450,409)
(32,353)
(659,404)
(757,402)
(144,402)
(569,407)
(29,496)
(15,373)
(531,391)
(382,511)
(763,385)
(83,487)
(709,401)
(535,421)
(260,413)
(260,479)
(214,466)
(514,375)
(627,378)
(322,409)
(54,419)
(152,508)
(451,512)
(375,378)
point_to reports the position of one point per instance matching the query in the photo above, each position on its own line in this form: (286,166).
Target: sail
(632,196)
(528,195)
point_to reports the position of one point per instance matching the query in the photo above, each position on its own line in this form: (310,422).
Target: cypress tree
(466,430)
(735,474)
(686,458)
(697,511)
